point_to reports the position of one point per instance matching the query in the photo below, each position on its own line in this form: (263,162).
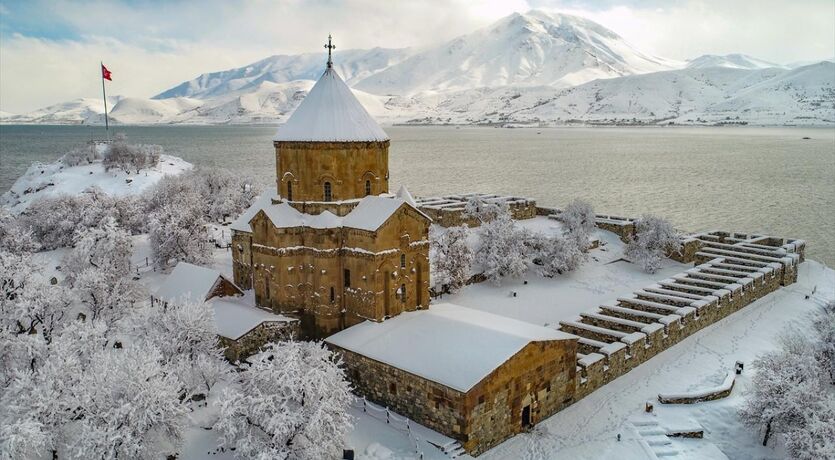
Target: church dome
(330,113)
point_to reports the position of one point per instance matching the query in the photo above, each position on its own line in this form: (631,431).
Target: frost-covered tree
(81,155)
(186,335)
(178,233)
(129,157)
(483,210)
(815,438)
(107,248)
(127,406)
(558,254)
(503,251)
(450,257)
(824,327)
(654,237)
(290,403)
(789,384)
(106,297)
(54,221)
(578,218)
(225,194)
(14,236)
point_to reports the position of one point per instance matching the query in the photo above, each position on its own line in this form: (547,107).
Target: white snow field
(42,180)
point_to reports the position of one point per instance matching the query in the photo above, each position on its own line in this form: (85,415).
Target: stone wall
(540,377)
(332,278)
(352,169)
(249,343)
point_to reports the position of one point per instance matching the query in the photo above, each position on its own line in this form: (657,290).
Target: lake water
(767,180)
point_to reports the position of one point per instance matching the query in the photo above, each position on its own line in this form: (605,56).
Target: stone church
(332,247)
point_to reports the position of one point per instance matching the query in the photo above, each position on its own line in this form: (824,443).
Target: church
(332,247)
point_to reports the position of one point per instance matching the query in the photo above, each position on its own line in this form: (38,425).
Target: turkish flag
(105,73)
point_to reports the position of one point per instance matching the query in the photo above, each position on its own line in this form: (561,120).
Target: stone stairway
(656,437)
(453,449)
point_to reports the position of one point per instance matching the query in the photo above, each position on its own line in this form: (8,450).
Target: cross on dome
(330,47)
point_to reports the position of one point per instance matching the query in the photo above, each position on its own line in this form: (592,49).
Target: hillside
(535,67)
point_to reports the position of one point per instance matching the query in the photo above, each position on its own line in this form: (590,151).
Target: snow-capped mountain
(531,49)
(731,61)
(534,67)
(352,65)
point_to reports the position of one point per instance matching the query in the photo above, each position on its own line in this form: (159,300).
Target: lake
(768,180)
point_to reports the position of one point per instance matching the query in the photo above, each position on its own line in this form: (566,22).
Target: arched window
(328,194)
(367,187)
(402,260)
(333,296)
(289,190)
(402,292)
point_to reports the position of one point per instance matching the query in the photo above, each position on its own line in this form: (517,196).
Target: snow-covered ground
(546,301)
(589,428)
(42,180)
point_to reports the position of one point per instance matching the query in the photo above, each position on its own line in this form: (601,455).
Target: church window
(289,191)
(393,388)
(402,292)
(402,260)
(328,192)
(267,288)
(333,296)
(347,278)
(368,187)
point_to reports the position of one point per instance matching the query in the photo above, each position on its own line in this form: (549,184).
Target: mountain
(731,61)
(83,110)
(352,65)
(531,49)
(535,67)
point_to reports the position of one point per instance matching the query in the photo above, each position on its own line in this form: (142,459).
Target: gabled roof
(452,345)
(235,317)
(330,113)
(370,214)
(241,224)
(189,282)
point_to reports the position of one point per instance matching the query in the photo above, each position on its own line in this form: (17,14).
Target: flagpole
(104,96)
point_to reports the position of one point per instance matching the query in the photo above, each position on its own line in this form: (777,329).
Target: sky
(50,49)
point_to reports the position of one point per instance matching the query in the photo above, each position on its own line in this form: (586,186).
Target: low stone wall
(712,394)
(248,344)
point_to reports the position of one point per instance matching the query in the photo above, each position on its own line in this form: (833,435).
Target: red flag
(105,73)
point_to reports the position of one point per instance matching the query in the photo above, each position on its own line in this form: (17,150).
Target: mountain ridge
(533,67)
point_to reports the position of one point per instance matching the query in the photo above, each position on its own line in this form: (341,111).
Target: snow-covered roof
(448,344)
(241,224)
(371,213)
(234,317)
(403,194)
(330,112)
(189,282)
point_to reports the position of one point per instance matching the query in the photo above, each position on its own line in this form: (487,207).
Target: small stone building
(242,328)
(474,376)
(331,246)
(188,282)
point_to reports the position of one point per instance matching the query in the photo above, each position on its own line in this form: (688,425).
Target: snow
(448,344)
(42,180)
(588,429)
(526,68)
(330,112)
(726,385)
(189,282)
(241,224)
(370,214)
(234,317)
(547,301)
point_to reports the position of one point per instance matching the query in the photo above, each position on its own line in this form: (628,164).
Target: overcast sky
(50,49)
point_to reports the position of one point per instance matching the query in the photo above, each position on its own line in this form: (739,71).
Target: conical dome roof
(330,113)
